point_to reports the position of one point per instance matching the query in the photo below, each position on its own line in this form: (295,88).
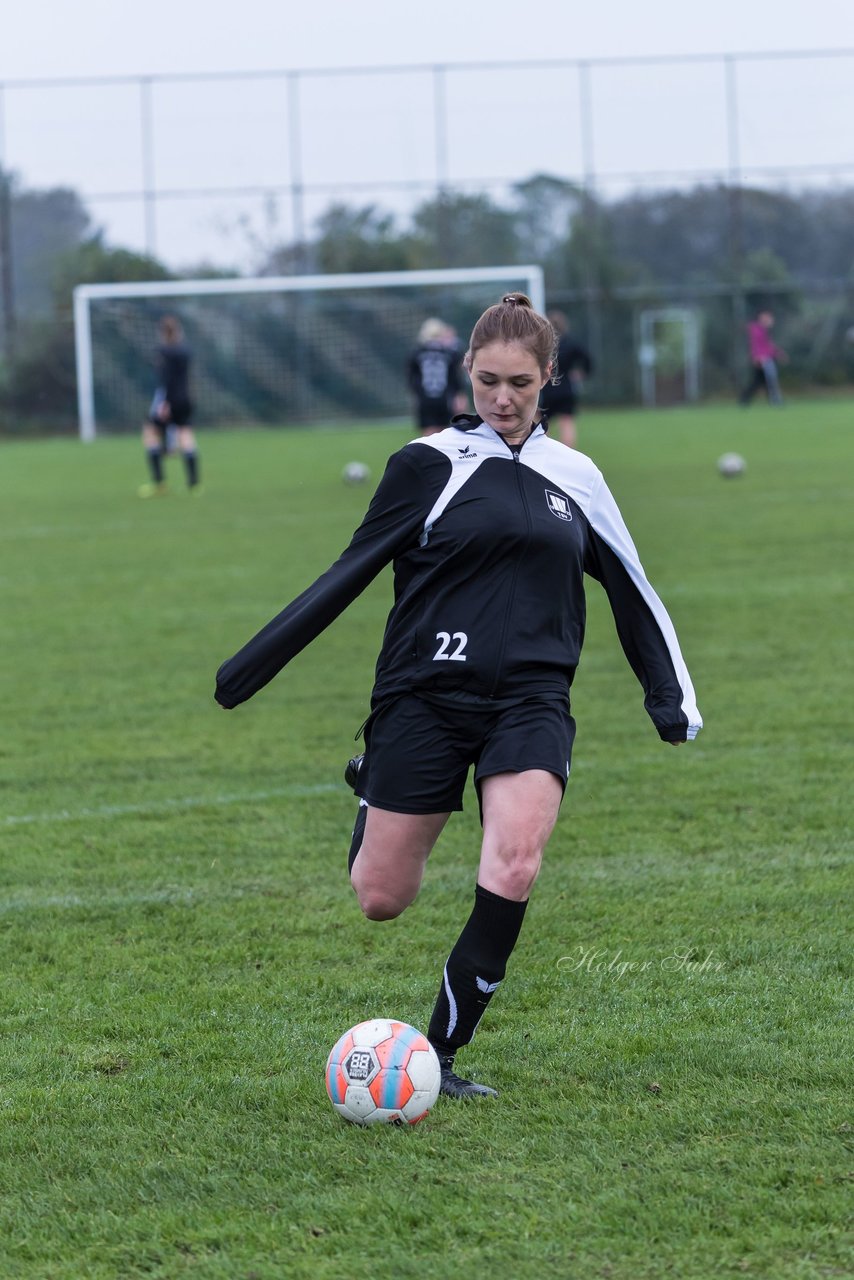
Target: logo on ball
(360,1065)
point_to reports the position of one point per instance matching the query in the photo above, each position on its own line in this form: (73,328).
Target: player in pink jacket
(764,354)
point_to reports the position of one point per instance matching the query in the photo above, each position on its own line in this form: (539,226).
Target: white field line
(69,901)
(65,531)
(178,805)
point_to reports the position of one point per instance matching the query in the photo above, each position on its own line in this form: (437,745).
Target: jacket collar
(473,422)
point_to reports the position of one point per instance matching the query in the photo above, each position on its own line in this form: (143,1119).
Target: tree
(674,236)
(41,381)
(42,226)
(363,239)
(545,209)
(830,215)
(93,262)
(455,230)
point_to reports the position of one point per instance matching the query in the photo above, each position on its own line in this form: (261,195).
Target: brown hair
(514,319)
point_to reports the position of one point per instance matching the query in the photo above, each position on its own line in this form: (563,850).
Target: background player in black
(490,526)
(171,411)
(573,365)
(435,377)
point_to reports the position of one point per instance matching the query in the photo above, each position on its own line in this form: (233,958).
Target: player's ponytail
(514,319)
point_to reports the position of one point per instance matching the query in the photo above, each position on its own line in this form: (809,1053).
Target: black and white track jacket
(489,543)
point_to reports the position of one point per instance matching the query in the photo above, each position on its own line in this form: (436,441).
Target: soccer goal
(280,350)
(669,355)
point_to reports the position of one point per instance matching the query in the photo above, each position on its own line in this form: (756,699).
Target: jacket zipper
(511,595)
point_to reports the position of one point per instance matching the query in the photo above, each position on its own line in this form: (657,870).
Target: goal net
(282,351)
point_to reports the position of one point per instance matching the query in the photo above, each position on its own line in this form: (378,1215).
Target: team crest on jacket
(558,504)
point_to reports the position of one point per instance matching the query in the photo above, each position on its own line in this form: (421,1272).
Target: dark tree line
(727,250)
(701,236)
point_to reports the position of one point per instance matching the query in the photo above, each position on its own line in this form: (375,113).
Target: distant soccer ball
(383,1072)
(355,473)
(731,464)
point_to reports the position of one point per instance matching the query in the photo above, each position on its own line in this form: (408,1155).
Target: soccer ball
(731,464)
(355,473)
(383,1072)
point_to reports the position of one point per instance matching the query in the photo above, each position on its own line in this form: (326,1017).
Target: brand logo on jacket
(466,454)
(558,505)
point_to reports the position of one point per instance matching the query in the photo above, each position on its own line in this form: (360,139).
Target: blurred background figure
(459,400)
(764,355)
(168,426)
(435,377)
(573,365)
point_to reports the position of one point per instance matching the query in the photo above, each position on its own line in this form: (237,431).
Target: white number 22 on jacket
(445,638)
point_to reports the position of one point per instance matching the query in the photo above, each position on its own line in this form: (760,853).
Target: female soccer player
(560,395)
(490,526)
(434,377)
(171,410)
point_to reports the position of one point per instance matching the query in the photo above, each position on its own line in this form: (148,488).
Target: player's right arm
(393,522)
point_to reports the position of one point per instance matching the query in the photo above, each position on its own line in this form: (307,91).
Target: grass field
(180,946)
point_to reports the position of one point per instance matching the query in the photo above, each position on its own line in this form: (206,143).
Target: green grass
(180,946)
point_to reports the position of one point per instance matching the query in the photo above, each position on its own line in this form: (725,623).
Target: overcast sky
(364,130)
(102,37)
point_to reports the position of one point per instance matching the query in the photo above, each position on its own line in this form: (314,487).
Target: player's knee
(380,906)
(516,871)
(377,900)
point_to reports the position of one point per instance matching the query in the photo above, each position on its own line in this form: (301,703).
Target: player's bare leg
(566,430)
(388,866)
(190,454)
(152,442)
(519,814)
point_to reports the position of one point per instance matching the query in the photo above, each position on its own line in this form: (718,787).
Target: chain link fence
(220,169)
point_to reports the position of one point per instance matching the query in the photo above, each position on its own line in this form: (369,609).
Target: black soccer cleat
(351,773)
(455,1087)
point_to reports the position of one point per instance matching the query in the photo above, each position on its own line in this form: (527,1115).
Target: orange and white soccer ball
(383,1072)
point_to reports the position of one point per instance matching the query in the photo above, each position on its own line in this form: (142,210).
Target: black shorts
(418,753)
(559,400)
(434,413)
(180,414)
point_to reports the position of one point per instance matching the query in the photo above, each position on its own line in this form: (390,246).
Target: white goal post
(528,279)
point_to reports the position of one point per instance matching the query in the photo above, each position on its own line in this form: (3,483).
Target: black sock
(475,967)
(358,834)
(155,463)
(191,466)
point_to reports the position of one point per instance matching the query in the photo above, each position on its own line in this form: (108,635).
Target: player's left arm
(643,625)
